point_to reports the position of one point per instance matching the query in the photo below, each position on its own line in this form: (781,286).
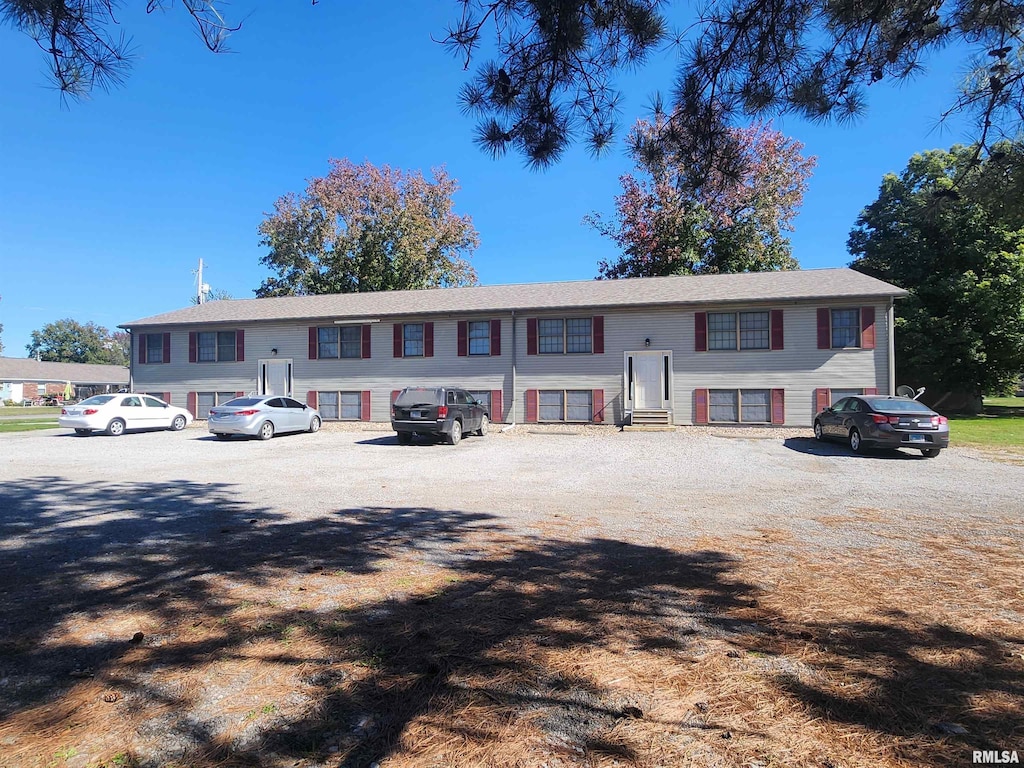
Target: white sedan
(114,414)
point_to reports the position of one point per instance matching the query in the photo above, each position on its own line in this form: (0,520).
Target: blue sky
(107,205)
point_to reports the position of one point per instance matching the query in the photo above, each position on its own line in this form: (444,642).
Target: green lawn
(1004,402)
(27,425)
(20,410)
(993,431)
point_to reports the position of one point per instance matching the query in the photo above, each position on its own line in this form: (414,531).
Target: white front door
(647,380)
(275,377)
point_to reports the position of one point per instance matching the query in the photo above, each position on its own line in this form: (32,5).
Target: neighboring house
(25,378)
(768,347)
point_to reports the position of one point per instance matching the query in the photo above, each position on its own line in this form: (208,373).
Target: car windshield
(240,401)
(898,404)
(97,400)
(410,398)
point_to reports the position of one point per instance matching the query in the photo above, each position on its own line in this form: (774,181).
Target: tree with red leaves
(680,218)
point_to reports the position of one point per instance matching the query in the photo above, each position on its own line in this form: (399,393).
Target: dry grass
(546,651)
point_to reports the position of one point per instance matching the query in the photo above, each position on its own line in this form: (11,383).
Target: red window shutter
(190,403)
(399,340)
(822,399)
(497,405)
(700,406)
(867,327)
(531,406)
(597,325)
(598,396)
(365,351)
(824,328)
(428,339)
(778,406)
(700,331)
(312,343)
(142,347)
(495,338)
(312,399)
(871,391)
(167,347)
(239,346)
(394,395)
(192,345)
(364,409)
(777,333)
(167,398)
(463,338)
(239,394)
(531,335)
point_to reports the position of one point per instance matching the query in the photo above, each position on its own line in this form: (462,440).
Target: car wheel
(484,424)
(222,436)
(266,430)
(456,434)
(405,438)
(115,428)
(930,453)
(314,424)
(819,433)
(178,423)
(856,444)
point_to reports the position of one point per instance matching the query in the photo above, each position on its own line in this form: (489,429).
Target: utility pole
(201,288)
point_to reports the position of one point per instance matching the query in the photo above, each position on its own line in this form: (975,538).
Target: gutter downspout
(507,427)
(892,345)
(131,360)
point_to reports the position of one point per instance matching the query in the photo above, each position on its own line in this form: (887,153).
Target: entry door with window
(647,376)
(275,377)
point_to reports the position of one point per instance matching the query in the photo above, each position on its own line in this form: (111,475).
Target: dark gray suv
(448,412)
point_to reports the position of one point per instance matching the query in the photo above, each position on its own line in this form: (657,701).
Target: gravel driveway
(266,599)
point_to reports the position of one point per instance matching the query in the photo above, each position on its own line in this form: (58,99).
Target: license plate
(415,414)
(918,439)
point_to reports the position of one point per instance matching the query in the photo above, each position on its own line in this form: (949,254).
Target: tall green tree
(674,218)
(951,232)
(363,228)
(68,341)
(548,76)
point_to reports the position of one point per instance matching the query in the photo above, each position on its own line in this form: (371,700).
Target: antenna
(202,289)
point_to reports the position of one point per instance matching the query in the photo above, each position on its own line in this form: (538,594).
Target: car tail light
(879,418)
(939,420)
(442,411)
(63,411)
(89,411)
(249,412)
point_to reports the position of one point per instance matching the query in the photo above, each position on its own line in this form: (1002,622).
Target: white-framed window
(572,335)
(845,328)
(215,347)
(339,342)
(207,400)
(343,406)
(154,347)
(835,395)
(479,337)
(565,405)
(739,330)
(412,338)
(740,406)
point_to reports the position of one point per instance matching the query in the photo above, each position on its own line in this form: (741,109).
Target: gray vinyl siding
(800,368)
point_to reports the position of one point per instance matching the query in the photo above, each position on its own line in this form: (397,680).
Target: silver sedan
(262,417)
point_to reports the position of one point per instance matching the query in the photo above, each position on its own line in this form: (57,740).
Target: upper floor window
(479,337)
(412,340)
(154,343)
(215,347)
(739,330)
(845,328)
(343,342)
(572,335)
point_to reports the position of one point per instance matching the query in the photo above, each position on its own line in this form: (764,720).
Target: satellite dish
(904,391)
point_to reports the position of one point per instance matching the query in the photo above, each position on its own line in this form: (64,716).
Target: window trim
(565,407)
(565,337)
(339,330)
(739,404)
(144,341)
(339,393)
(217,346)
(858,327)
(422,340)
(738,330)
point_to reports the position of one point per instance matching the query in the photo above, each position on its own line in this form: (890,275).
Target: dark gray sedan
(262,417)
(877,421)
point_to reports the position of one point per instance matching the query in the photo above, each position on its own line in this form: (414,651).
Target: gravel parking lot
(573,596)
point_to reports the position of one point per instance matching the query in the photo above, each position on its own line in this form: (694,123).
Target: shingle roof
(636,292)
(17,369)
